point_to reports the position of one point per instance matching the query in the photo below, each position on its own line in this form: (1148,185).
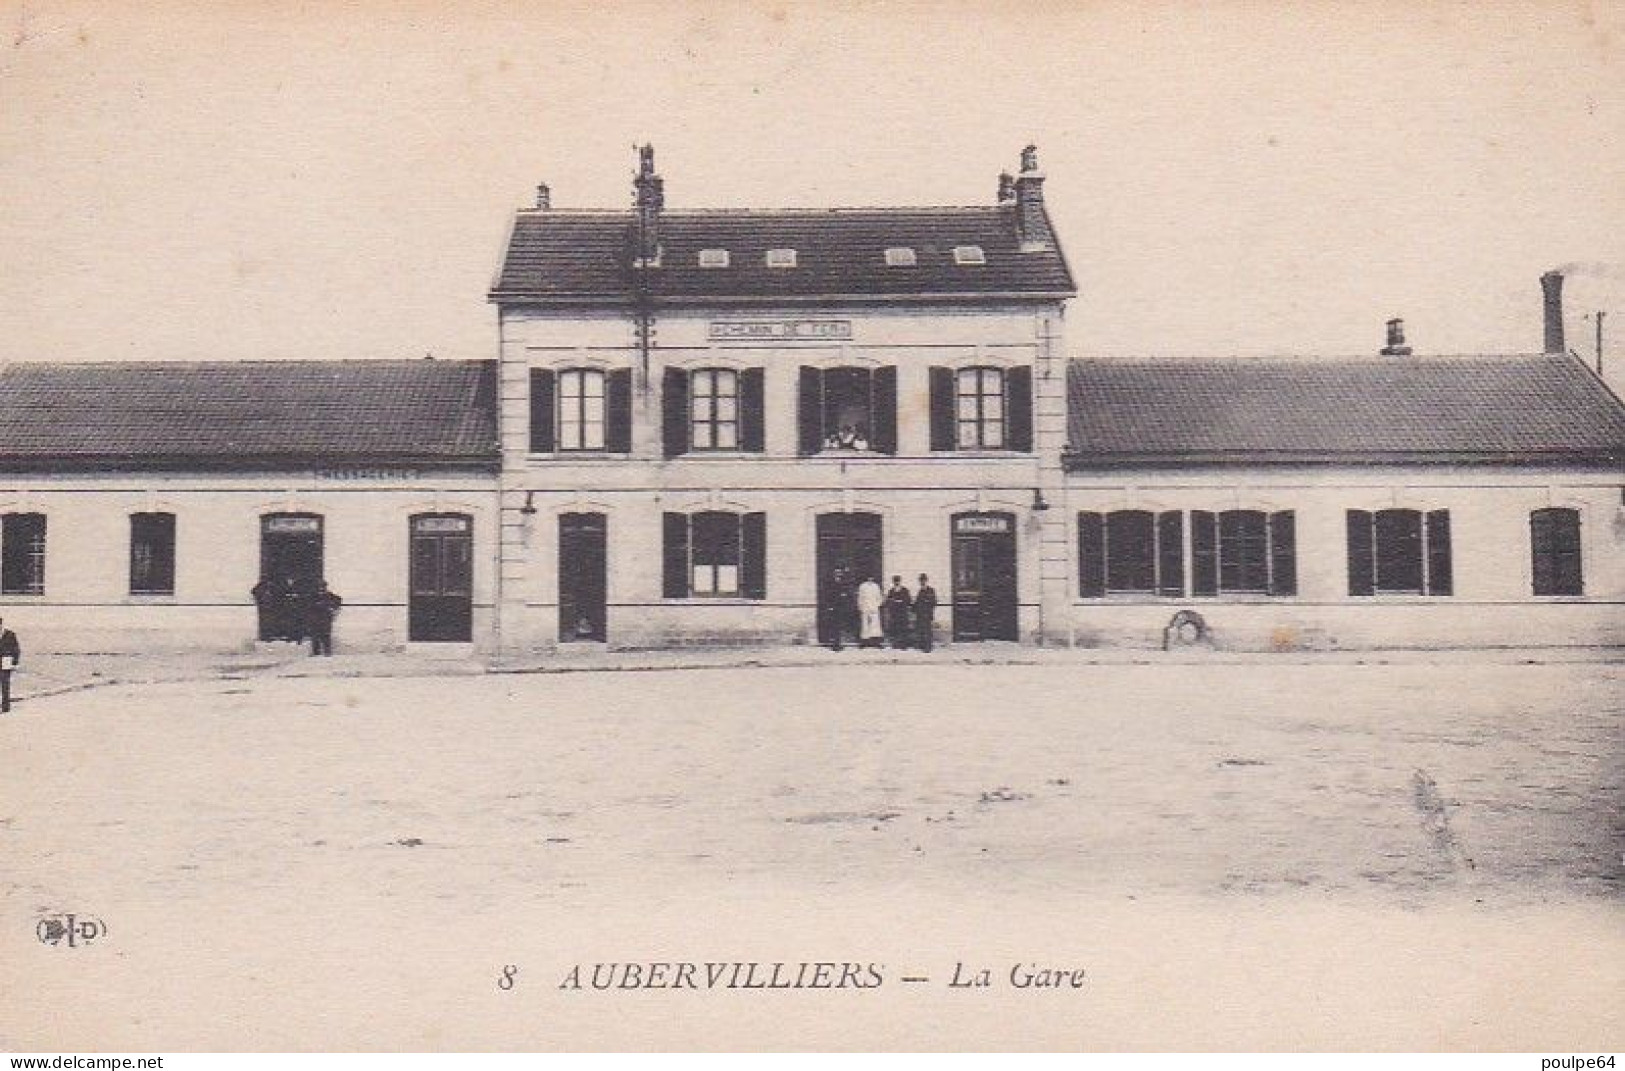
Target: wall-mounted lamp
(529,508)
(1039,503)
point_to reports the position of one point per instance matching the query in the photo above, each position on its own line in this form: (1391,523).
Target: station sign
(781,330)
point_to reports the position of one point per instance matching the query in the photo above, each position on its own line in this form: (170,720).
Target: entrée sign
(982,523)
(782,330)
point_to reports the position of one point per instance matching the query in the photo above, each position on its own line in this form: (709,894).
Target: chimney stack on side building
(1396,346)
(1551,285)
(649,197)
(1032,225)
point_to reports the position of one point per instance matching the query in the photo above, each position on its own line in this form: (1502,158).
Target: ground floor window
(22,554)
(1244,552)
(715,554)
(1555,543)
(1399,552)
(152,554)
(1131,552)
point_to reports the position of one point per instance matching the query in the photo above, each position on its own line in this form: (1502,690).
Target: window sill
(580,455)
(1237,598)
(713,600)
(143,598)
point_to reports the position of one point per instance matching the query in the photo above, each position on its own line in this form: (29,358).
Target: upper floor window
(152,554)
(580,410)
(781,258)
(22,554)
(712,409)
(981,409)
(969,254)
(713,258)
(1399,552)
(715,554)
(900,256)
(1554,537)
(713,399)
(848,409)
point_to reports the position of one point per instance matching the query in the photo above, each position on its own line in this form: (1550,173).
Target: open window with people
(848,410)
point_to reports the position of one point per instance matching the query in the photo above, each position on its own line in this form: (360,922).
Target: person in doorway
(897,617)
(870,600)
(11,653)
(837,609)
(320,607)
(925,612)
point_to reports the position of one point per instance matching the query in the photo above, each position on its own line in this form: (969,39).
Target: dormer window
(969,254)
(713,258)
(781,258)
(900,256)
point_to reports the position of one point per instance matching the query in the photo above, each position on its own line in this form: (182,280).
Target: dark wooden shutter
(810,411)
(618,412)
(1438,544)
(1091,555)
(942,409)
(1543,545)
(1018,392)
(1204,553)
(883,408)
(753,557)
(1362,576)
(1170,553)
(674,411)
(752,415)
(674,548)
(542,436)
(1283,553)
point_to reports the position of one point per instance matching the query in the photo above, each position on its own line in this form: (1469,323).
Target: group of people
(849,437)
(895,617)
(298,610)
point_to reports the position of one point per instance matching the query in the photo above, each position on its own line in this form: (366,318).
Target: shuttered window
(1399,552)
(579,410)
(1130,552)
(152,554)
(713,402)
(847,409)
(713,409)
(22,554)
(1244,552)
(1554,537)
(981,409)
(715,554)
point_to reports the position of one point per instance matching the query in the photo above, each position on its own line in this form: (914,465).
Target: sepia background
(256,180)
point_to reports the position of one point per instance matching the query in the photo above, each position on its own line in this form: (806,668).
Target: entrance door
(849,552)
(984,558)
(290,566)
(441,585)
(583,585)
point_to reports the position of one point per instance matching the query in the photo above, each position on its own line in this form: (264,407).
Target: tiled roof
(1450,410)
(556,255)
(249,415)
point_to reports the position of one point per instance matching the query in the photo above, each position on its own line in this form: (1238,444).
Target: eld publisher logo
(70,930)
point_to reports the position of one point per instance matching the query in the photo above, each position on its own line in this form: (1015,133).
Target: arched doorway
(984,562)
(849,552)
(291,565)
(440,606)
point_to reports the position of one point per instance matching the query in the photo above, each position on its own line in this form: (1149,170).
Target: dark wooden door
(291,567)
(583,577)
(441,606)
(984,577)
(849,552)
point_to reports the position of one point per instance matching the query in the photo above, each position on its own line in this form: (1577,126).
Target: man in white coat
(870,598)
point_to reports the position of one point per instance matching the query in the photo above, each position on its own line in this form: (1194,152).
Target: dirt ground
(1267,856)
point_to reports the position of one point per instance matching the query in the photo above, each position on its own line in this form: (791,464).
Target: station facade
(702,426)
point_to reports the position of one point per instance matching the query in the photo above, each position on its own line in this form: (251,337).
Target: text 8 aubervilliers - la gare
(699,422)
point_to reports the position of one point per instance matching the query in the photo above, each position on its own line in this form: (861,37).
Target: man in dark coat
(897,614)
(11,653)
(320,607)
(925,612)
(838,609)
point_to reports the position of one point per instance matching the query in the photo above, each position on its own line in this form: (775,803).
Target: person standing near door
(838,608)
(11,653)
(321,606)
(925,612)
(870,600)
(897,616)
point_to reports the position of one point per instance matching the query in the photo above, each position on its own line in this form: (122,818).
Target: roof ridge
(1300,359)
(678,213)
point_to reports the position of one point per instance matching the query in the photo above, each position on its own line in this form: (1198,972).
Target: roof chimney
(1396,340)
(544,197)
(1032,224)
(1007,189)
(648,198)
(1551,285)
